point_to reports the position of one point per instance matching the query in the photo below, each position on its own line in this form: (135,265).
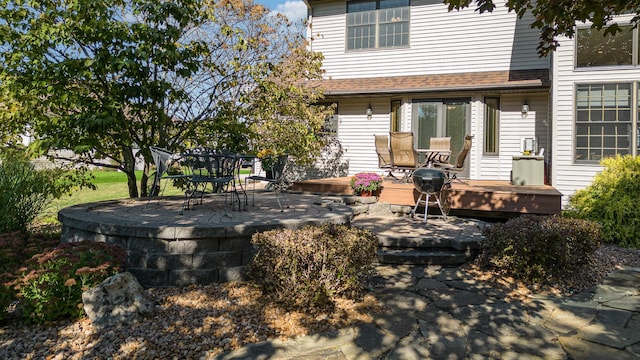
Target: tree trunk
(144,182)
(130,170)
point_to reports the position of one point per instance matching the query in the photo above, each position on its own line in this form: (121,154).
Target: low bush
(7,295)
(51,284)
(15,249)
(26,191)
(612,200)
(309,266)
(540,248)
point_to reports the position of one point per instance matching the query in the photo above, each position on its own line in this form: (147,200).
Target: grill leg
(415,208)
(444,215)
(426,206)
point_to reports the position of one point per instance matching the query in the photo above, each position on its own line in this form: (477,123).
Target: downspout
(550,123)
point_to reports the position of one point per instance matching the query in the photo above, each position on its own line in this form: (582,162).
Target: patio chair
(163,160)
(275,179)
(452,170)
(440,143)
(439,151)
(216,169)
(384,156)
(404,156)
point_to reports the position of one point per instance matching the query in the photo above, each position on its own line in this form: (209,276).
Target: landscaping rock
(380,209)
(119,299)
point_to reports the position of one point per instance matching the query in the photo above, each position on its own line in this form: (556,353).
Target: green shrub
(15,249)
(540,248)
(311,265)
(7,295)
(51,285)
(26,191)
(613,200)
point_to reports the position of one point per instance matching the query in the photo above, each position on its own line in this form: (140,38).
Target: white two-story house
(411,65)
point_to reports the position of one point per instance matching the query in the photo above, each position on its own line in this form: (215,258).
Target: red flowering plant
(366,182)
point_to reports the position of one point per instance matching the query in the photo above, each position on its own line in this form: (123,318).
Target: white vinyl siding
(513,127)
(440,42)
(569,175)
(356,132)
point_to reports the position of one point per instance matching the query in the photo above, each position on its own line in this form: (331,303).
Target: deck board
(469,195)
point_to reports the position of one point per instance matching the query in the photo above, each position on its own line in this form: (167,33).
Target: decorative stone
(366,199)
(380,209)
(119,299)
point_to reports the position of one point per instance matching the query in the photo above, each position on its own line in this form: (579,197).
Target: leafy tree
(258,80)
(104,78)
(94,76)
(559,17)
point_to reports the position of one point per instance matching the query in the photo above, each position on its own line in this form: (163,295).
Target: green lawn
(111,185)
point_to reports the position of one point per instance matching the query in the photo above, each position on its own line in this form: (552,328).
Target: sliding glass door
(441,118)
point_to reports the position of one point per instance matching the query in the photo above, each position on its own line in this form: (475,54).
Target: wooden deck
(486,197)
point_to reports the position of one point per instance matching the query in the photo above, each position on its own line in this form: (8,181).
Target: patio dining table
(434,155)
(220,169)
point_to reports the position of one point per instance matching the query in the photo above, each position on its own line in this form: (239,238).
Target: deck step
(409,256)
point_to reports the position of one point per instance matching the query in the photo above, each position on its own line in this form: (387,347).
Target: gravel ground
(200,321)
(189,323)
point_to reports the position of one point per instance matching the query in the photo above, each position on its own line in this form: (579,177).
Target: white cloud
(293,10)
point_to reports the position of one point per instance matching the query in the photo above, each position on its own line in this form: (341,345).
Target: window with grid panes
(377,24)
(604,121)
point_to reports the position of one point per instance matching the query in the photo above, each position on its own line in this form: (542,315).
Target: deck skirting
(489,197)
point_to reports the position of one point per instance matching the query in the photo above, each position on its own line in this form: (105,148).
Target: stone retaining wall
(163,262)
(166,248)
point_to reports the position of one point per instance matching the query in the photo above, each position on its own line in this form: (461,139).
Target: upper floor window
(377,24)
(593,48)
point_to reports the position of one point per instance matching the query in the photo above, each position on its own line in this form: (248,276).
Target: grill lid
(428,180)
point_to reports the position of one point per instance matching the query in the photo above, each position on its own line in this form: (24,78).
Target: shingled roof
(515,79)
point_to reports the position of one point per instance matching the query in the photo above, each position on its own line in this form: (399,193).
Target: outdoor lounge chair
(384,156)
(452,170)
(404,156)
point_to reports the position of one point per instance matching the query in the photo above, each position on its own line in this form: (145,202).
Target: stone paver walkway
(443,313)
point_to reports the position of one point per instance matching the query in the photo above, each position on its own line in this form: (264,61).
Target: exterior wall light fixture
(525,109)
(369,112)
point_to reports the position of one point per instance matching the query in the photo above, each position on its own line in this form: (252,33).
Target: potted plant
(366,183)
(268,158)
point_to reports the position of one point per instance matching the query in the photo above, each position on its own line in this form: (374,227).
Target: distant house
(420,68)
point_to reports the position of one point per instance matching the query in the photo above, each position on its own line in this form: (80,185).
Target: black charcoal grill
(428,182)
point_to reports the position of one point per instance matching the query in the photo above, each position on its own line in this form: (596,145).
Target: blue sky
(293,9)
